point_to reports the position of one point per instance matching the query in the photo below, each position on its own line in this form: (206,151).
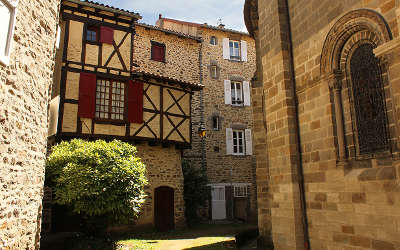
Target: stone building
(326,122)
(223,109)
(118,79)
(27,46)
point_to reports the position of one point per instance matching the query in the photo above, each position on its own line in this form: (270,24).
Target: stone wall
(222,168)
(351,201)
(24,96)
(163,167)
(181,54)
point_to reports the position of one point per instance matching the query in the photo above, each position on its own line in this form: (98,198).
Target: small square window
(214,71)
(158,52)
(234,50)
(92,34)
(213,40)
(7,21)
(215,122)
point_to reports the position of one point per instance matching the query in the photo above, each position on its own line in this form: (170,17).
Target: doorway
(218,203)
(164,209)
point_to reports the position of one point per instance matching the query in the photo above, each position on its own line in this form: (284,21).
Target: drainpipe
(300,168)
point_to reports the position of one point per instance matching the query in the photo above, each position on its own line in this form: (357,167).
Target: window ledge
(110,121)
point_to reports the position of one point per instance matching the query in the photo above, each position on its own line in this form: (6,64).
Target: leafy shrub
(97,179)
(196,191)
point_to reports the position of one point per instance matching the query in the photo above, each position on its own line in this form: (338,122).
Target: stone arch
(367,23)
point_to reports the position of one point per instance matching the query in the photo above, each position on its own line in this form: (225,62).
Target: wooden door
(164,208)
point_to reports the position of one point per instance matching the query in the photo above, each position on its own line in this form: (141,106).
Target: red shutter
(135,102)
(158,53)
(106,35)
(87,95)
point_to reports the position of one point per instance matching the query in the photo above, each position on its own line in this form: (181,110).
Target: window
(110,99)
(237,93)
(215,122)
(240,191)
(7,21)
(157,51)
(369,101)
(214,71)
(213,40)
(92,34)
(234,50)
(238,142)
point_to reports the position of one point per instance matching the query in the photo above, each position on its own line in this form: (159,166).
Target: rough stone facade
(305,125)
(210,152)
(181,57)
(24,96)
(163,166)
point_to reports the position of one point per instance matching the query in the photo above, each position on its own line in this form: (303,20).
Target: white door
(218,202)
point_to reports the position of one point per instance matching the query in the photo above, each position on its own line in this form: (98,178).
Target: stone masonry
(305,125)
(24,96)
(210,152)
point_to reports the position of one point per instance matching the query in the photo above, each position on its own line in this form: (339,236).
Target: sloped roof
(195,86)
(107,8)
(205,25)
(179,34)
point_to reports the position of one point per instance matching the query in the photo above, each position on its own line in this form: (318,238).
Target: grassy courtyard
(203,236)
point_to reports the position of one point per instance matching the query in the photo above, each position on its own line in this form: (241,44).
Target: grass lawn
(203,236)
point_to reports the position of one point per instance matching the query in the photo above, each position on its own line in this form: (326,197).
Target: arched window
(369,101)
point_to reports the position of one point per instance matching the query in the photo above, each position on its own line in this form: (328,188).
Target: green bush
(196,192)
(97,179)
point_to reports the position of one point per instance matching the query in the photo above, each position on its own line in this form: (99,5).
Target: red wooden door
(164,208)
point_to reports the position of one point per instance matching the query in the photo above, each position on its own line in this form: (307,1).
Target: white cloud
(200,11)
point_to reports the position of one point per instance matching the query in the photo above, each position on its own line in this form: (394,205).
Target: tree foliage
(196,192)
(97,178)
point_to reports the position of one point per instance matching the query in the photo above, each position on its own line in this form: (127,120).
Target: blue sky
(199,11)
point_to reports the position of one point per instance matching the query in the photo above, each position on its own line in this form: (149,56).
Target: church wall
(352,204)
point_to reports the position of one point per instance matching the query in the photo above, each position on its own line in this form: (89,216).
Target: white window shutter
(228,90)
(229,141)
(58,37)
(225,46)
(246,93)
(249,141)
(243,47)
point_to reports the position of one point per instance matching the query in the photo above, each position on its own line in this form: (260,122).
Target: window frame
(214,71)
(234,57)
(5,55)
(95,29)
(160,45)
(215,121)
(110,101)
(213,40)
(234,90)
(242,132)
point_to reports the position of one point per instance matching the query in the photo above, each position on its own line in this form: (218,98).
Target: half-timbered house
(117,79)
